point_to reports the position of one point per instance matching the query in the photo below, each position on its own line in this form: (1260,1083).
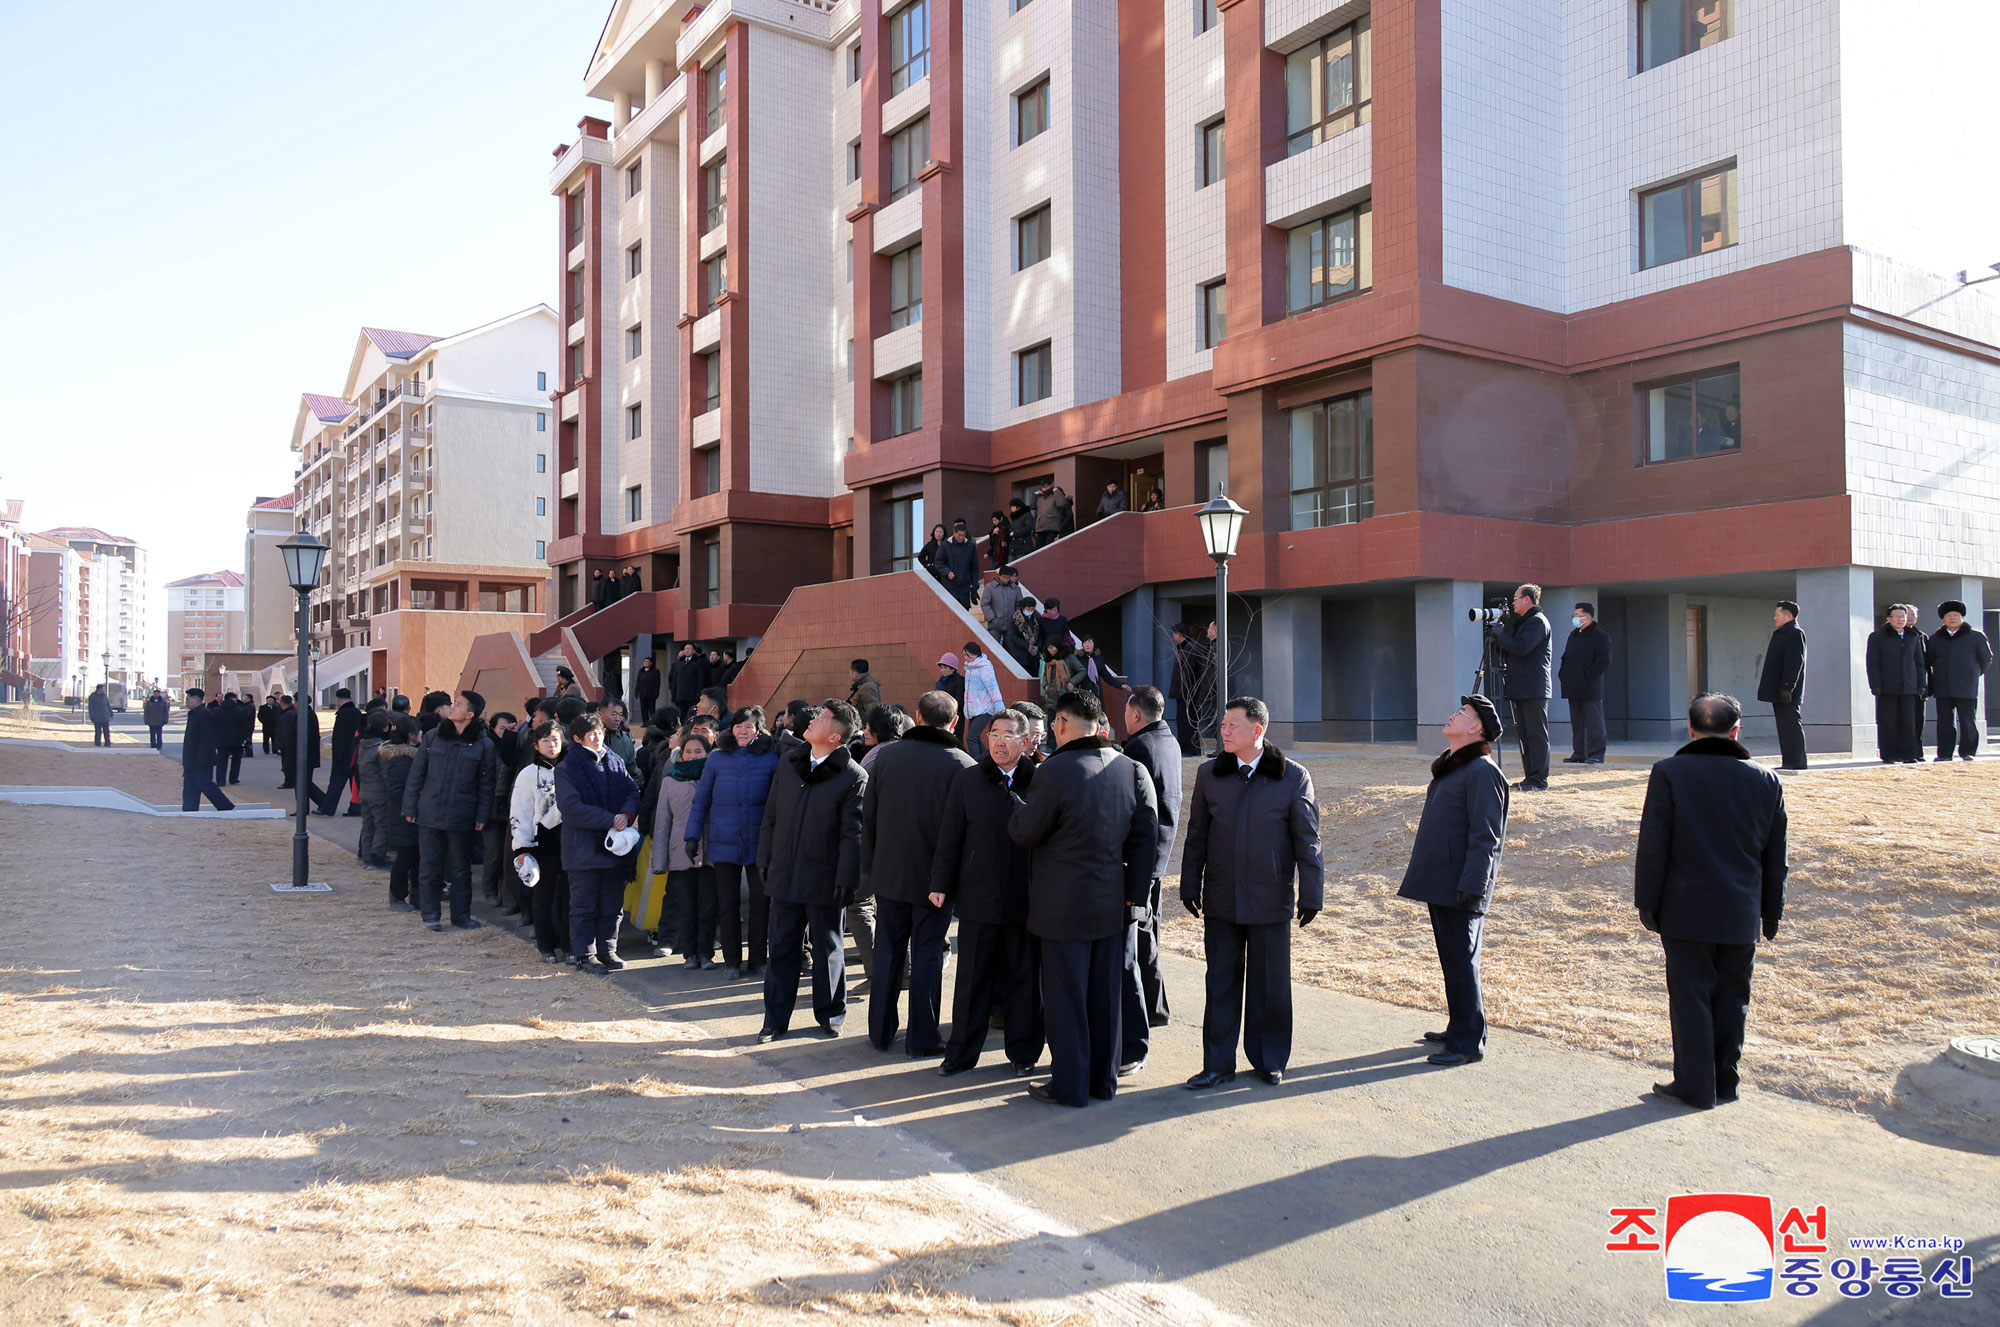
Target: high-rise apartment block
(1648,301)
(205,615)
(95,584)
(428,477)
(269,603)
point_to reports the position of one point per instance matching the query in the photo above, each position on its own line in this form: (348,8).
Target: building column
(1291,626)
(1971,591)
(1142,638)
(1559,604)
(1448,650)
(1837,611)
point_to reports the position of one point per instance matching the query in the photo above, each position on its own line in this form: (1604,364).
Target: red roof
(86,532)
(328,409)
(281,503)
(397,345)
(227,579)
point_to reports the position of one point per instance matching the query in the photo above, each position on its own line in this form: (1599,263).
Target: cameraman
(1525,635)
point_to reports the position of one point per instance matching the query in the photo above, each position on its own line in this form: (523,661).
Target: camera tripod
(1492,669)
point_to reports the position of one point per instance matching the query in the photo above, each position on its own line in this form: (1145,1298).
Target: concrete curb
(113,799)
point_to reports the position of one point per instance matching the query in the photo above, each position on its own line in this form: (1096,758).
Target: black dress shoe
(1022,1070)
(469,924)
(768,1034)
(926,1052)
(1158,1021)
(611,961)
(828,1030)
(1434,1036)
(1672,1093)
(433,926)
(1131,1067)
(950,1070)
(1456,1057)
(1274,1077)
(1210,1078)
(1045,1094)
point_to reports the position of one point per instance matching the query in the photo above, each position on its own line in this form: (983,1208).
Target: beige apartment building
(428,476)
(205,615)
(269,606)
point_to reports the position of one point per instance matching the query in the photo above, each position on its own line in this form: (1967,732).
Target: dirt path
(227,1105)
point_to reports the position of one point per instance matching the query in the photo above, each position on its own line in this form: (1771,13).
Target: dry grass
(130,765)
(235,1099)
(1889,946)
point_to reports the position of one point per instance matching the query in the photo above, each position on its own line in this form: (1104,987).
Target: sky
(203,203)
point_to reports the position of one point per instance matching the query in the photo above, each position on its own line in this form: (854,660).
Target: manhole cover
(1979,1054)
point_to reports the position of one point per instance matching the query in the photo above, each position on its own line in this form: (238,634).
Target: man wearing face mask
(1586,658)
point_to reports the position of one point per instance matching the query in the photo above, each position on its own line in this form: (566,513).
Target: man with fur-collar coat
(1252,835)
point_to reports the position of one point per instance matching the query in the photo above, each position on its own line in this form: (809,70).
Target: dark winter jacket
(368,773)
(288,740)
(961,566)
(1897,664)
(1113,502)
(1783,681)
(157,711)
(590,791)
(1957,662)
(729,802)
(865,694)
(99,707)
(809,846)
(346,734)
(1456,857)
(688,679)
(397,760)
(267,715)
(1586,658)
(1249,837)
(1156,752)
(646,686)
(199,742)
(1051,508)
(953,685)
(451,784)
(1093,826)
(1189,679)
(1711,863)
(1527,645)
(979,868)
(1021,531)
(907,787)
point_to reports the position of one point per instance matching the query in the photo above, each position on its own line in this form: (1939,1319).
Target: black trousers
(1791,735)
(1249,988)
(645,710)
(444,872)
(197,783)
(270,740)
(1708,1002)
(1082,985)
(1531,730)
(596,906)
(696,909)
(336,784)
(548,901)
(403,875)
(496,869)
(1459,933)
(370,849)
(1586,727)
(740,900)
(861,925)
(1145,983)
(908,937)
(1958,723)
(100,732)
(155,736)
(1899,728)
(997,965)
(1183,729)
(791,924)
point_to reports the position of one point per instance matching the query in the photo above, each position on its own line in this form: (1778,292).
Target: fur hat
(1951,606)
(1489,715)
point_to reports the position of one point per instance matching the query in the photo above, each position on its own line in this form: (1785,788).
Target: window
(541,421)
(1205,16)
(854,161)
(634,423)
(576,362)
(1031,238)
(850,359)
(909,45)
(634,342)
(1333,462)
(906,287)
(1329,259)
(632,180)
(708,470)
(541,506)
(633,265)
(541,463)
(1031,374)
(1031,112)
(634,508)
(541,382)
(1327,87)
(715,193)
(906,530)
(850,260)
(1687,217)
(714,280)
(575,219)
(541,550)
(711,571)
(715,95)
(909,150)
(1210,168)
(1698,416)
(1016,6)
(711,381)
(854,64)
(906,404)
(1213,310)
(1212,468)
(1669,29)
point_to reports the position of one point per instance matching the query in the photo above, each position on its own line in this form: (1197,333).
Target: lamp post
(1221,523)
(304,556)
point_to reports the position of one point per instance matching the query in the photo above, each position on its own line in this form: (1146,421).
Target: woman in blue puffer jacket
(728,812)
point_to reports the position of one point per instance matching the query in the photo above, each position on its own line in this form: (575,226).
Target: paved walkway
(1371,1186)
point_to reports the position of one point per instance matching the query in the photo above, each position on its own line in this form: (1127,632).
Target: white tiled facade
(1197,242)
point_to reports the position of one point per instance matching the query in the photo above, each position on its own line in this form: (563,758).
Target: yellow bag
(646,895)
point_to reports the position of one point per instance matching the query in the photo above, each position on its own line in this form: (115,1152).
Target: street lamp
(304,556)
(1221,523)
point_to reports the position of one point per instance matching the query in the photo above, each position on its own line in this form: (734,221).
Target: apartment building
(427,475)
(1653,302)
(205,615)
(17,605)
(270,607)
(97,633)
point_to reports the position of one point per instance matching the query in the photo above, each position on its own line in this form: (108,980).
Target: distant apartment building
(1648,301)
(97,582)
(428,477)
(205,616)
(17,605)
(270,606)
